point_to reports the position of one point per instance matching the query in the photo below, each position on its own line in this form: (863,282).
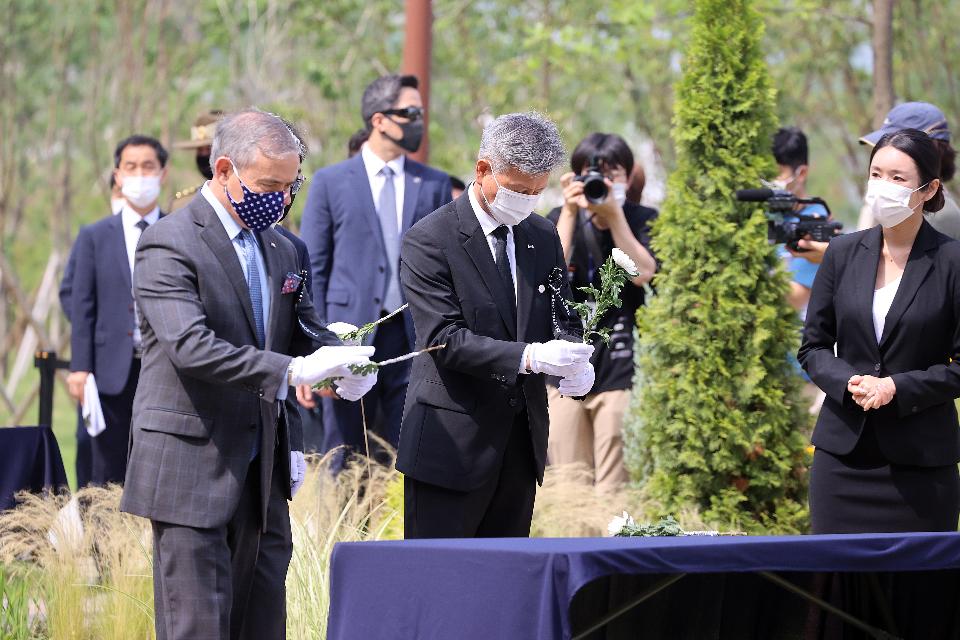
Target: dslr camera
(786,225)
(594,188)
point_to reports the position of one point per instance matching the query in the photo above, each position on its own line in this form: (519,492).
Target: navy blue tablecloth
(29,460)
(522,588)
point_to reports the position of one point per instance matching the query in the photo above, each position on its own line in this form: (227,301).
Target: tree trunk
(882,60)
(417,55)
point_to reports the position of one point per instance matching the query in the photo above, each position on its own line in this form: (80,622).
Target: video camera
(786,225)
(594,188)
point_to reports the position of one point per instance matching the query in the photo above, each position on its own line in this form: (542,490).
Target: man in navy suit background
(105,337)
(356,214)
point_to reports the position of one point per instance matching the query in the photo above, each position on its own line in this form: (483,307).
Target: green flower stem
(370,367)
(612,279)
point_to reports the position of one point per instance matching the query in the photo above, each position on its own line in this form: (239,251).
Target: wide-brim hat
(202,131)
(912,115)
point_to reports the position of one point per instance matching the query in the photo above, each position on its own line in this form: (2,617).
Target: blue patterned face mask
(257,210)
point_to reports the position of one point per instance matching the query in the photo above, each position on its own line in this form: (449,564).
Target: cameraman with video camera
(595,218)
(790,152)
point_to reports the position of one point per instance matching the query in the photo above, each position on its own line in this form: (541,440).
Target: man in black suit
(105,338)
(485,278)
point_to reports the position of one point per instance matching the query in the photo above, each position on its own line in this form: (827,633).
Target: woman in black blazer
(882,340)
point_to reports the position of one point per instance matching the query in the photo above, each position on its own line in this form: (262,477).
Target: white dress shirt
(488,224)
(882,301)
(374,164)
(131,236)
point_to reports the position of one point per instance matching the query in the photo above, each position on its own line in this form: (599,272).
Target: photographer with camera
(595,218)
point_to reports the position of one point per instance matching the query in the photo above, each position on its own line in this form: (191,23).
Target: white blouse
(882,299)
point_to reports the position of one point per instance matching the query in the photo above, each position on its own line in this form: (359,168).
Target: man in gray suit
(215,446)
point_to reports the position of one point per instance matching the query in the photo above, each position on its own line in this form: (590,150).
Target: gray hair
(383,93)
(530,142)
(239,135)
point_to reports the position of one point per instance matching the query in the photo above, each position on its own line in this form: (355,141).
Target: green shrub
(718,419)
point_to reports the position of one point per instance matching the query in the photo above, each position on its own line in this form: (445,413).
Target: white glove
(353,387)
(298,471)
(559,357)
(578,384)
(327,362)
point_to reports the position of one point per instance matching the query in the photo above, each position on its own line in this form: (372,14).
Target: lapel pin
(529,246)
(541,289)
(416,179)
(273,245)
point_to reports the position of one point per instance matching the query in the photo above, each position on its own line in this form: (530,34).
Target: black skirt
(862,492)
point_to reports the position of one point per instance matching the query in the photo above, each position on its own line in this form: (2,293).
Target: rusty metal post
(417,54)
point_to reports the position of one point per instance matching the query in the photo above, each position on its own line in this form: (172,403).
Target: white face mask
(619,192)
(141,191)
(509,207)
(889,202)
(116,205)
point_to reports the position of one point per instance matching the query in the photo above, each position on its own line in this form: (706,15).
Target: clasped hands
(335,362)
(568,360)
(870,392)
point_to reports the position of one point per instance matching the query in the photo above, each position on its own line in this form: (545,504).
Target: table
(524,588)
(29,460)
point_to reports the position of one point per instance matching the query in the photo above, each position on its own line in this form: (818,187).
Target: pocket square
(291,283)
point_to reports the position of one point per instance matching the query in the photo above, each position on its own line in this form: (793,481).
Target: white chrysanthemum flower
(618,523)
(342,329)
(625,262)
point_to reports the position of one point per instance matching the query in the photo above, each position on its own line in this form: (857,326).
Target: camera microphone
(755,195)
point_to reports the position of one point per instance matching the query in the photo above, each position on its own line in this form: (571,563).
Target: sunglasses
(411,113)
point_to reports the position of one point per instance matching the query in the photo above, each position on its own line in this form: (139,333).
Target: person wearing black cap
(931,120)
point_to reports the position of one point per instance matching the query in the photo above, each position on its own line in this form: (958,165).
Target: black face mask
(203,165)
(412,135)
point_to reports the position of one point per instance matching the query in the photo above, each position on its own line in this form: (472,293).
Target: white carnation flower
(342,329)
(618,523)
(625,262)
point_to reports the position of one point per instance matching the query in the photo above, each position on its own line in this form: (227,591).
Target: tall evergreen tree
(719,423)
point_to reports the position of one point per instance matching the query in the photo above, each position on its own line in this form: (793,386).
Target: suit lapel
(478,248)
(918,266)
(119,245)
(526,256)
(359,188)
(215,236)
(412,179)
(863,273)
(275,276)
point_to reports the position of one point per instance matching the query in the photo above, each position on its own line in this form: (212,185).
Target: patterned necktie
(503,265)
(391,238)
(143,224)
(249,246)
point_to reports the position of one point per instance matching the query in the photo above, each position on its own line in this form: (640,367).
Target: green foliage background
(719,419)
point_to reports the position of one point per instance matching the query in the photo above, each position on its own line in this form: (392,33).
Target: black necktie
(503,265)
(143,224)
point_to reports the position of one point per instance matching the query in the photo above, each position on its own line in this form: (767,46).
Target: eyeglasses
(297,183)
(411,113)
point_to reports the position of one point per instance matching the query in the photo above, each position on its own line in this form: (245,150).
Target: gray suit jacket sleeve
(167,294)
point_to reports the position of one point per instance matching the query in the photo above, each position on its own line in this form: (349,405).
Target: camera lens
(595,189)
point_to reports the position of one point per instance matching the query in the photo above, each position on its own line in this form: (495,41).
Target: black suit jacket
(462,400)
(919,348)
